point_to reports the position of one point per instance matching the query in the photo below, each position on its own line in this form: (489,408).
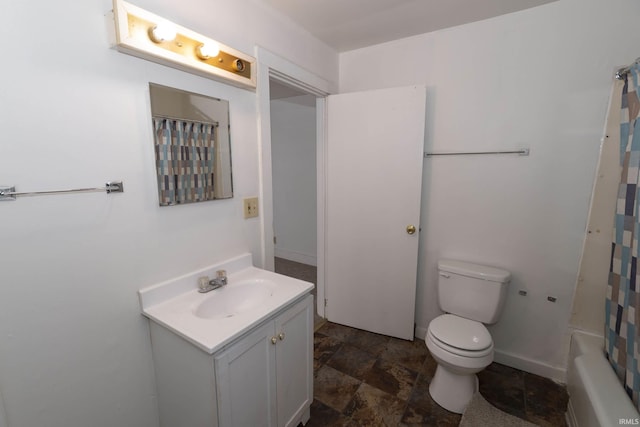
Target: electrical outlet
(251,207)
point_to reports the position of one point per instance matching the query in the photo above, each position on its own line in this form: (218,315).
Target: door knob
(411,229)
(274,340)
(281,336)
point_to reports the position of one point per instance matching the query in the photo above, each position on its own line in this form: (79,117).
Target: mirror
(192,146)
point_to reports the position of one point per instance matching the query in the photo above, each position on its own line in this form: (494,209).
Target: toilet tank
(473,291)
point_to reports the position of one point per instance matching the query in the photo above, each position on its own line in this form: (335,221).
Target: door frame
(274,67)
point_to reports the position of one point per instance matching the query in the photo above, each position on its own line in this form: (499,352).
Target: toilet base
(452,391)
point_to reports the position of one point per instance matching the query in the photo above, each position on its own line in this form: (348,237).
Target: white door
(375,145)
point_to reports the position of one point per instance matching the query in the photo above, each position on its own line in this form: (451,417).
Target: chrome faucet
(206,285)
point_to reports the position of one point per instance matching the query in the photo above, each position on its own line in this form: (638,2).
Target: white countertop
(172,303)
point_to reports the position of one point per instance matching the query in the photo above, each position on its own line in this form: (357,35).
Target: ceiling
(352,24)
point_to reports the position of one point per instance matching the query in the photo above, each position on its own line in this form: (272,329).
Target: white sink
(211,320)
(234,299)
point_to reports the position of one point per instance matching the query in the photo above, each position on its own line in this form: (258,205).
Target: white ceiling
(352,24)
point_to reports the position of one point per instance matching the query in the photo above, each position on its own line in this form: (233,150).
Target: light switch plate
(251,207)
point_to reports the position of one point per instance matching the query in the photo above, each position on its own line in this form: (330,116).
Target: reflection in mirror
(192,146)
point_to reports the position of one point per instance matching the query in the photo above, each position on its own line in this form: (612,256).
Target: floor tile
(502,392)
(410,354)
(339,332)
(373,407)
(333,388)
(421,416)
(324,347)
(394,379)
(325,416)
(545,400)
(352,361)
(298,270)
(514,374)
(428,368)
(368,341)
(420,393)
(422,410)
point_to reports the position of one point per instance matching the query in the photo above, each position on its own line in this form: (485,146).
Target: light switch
(251,207)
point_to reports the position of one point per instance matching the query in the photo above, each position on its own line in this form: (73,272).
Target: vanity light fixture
(208,50)
(145,35)
(163,32)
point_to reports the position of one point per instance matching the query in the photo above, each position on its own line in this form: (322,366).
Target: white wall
(74,349)
(539,78)
(293,152)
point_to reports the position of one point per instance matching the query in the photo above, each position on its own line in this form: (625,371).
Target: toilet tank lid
(477,271)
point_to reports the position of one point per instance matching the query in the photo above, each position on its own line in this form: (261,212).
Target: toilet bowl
(455,380)
(471,295)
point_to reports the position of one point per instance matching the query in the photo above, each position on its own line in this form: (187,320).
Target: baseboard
(296,256)
(517,361)
(555,373)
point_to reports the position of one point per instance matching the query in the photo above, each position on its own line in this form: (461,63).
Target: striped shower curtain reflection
(185,160)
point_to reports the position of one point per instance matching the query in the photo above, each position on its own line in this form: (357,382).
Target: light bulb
(208,50)
(163,32)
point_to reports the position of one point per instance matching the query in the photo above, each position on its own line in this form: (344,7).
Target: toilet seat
(472,354)
(460,336)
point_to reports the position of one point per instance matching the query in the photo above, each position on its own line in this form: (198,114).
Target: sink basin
(234,299)
(214,319)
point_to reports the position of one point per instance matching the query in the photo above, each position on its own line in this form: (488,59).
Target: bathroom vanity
(236,356)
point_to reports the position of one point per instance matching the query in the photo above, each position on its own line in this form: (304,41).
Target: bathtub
(596,397)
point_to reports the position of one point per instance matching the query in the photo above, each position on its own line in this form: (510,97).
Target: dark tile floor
(298,270)
(366,379)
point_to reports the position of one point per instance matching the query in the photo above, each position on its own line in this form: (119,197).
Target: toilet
(471,295)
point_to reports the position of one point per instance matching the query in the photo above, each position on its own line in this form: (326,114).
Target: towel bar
(10,193)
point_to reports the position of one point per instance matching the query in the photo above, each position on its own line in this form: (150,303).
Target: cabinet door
(294,362)
(246,383)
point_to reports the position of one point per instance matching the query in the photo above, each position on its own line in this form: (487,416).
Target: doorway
(274,68)
(278,70)
(294,181)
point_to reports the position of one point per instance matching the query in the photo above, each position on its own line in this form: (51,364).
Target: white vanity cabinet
(263,378)
(266,378)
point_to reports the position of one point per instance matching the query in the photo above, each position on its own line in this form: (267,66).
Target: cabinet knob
(274,340)
(281,336)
